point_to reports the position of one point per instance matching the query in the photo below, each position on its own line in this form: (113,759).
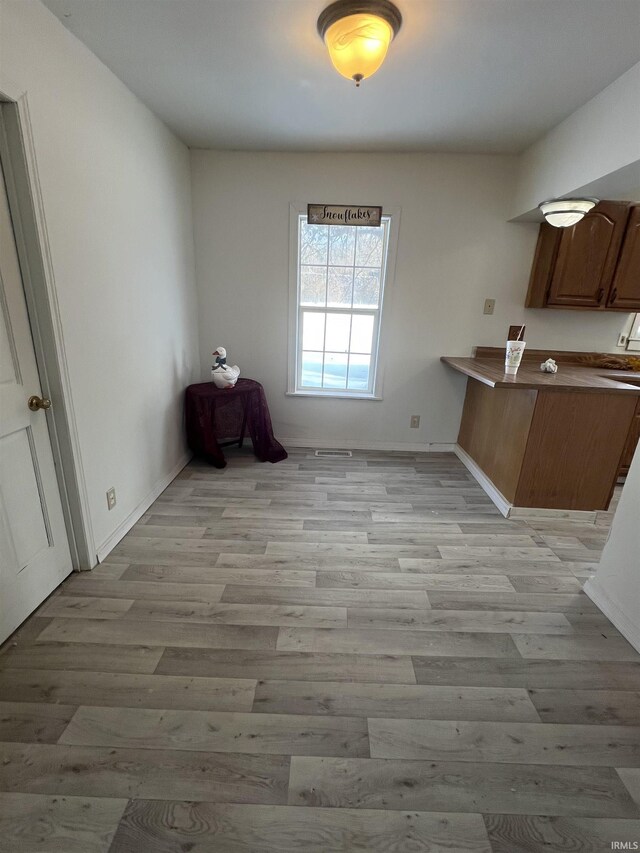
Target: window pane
(337,338)
(312,330)
(359,372)
(335,370)
(361,333)
(339,286)
(366,288)
(369,247)
(311,370)
(313,243)
(340,270)
(342,242)
(313,285)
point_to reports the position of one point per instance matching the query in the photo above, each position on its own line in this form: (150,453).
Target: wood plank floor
(324,655)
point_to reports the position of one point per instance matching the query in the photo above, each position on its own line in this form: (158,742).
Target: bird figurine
(222,375)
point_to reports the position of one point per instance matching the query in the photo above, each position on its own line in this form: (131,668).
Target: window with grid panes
(633,342)
(340,285)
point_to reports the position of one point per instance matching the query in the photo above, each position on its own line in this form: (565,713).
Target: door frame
(17,152)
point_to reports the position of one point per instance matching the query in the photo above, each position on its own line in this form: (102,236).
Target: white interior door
(34,550)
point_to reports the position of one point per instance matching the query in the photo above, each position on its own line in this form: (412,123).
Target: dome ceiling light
(357,34)
(564,212)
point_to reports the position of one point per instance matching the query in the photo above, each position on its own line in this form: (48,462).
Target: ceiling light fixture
(357,34)
(563,212)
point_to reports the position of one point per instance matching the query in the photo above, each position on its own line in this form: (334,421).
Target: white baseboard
(481,478)
(584,516)
(508,509)
(629,629)
(350,444)
(125,526)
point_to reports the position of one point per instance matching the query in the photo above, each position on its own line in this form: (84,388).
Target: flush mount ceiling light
(563,212)
(357,34)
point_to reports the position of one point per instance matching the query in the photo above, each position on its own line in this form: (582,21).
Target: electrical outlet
(111,498)
(622,340)
(414,423)
(489,305)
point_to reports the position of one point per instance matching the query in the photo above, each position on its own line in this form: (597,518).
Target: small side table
(220,417)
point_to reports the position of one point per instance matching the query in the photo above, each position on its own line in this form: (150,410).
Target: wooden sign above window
(343,214)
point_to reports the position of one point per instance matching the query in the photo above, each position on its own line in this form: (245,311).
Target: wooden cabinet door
(632,442)
(543,266)
(625,293)
(587,256)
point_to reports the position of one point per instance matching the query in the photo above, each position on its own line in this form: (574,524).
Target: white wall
(616,585)
(116,194)
(455,249)
(595,150)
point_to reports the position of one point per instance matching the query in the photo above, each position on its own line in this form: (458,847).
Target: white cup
(513,356)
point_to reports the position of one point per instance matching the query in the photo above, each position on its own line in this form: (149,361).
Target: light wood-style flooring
(324,655)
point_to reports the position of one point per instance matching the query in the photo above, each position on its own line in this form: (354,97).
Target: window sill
(321,394)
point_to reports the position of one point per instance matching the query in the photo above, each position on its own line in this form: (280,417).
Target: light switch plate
(489,305)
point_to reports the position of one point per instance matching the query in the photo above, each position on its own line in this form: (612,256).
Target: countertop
(570,377)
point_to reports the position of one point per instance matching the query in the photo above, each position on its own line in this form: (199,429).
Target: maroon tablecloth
(214,414)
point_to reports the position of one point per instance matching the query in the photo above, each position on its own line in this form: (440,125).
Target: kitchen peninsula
(545,441)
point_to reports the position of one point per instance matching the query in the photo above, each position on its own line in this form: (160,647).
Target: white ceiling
(462,75)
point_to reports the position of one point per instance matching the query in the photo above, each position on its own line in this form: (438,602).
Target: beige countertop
(570,377)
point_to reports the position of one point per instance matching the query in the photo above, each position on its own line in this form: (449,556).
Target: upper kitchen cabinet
(625,293)
(594,264)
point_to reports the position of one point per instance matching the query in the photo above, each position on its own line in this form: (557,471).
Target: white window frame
(295,312)
(633,341)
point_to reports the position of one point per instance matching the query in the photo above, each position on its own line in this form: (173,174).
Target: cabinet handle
(600,294)
(614,295)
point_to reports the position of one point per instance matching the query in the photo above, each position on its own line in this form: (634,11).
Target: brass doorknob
(36,403)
